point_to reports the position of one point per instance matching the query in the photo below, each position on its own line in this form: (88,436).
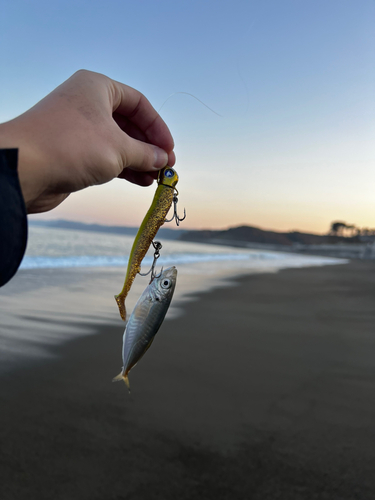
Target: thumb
(141,156)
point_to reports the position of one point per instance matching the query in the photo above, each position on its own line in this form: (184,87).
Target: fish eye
(166,283)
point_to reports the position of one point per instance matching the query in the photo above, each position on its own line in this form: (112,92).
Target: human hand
(88,131)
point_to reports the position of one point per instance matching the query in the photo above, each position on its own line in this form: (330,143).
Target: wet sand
(264,390)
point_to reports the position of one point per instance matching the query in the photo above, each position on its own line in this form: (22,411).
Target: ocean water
(67,281)
(52,248)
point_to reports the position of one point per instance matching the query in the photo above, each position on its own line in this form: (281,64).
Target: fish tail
(121,306)
(123,377)
(126,380)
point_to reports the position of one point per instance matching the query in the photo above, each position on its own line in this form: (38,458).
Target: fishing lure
(155,217)
(145,320)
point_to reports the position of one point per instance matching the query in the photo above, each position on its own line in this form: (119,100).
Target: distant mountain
(169,234)
(249,234)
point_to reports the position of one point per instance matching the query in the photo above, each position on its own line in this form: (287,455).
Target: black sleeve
(13,219)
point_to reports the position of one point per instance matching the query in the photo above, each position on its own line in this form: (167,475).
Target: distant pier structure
(364,247)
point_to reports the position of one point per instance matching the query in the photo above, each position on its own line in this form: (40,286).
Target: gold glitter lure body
(154,218)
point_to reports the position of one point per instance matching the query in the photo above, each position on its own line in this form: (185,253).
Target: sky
(293,81)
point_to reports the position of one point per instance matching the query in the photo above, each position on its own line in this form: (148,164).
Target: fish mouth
(171,272)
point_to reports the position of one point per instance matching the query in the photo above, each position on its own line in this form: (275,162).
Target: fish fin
(123,377)
(121,306)
(118,377)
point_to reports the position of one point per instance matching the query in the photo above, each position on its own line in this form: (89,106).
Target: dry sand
(265,390)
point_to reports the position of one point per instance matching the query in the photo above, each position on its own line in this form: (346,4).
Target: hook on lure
(157,246)
(175,215)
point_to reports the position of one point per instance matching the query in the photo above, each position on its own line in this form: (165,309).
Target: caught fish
(154,218)
(146,319)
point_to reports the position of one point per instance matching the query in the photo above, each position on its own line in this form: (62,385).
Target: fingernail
(160,158)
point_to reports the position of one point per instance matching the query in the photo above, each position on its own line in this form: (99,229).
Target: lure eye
(166,283)
(168,173)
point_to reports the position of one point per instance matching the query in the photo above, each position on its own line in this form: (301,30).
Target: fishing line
(248,30)
(191,95)
(208,107)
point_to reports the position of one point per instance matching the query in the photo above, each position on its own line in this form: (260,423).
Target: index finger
(137,109)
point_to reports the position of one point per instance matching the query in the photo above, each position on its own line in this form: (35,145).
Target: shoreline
(43,307)
(264,392)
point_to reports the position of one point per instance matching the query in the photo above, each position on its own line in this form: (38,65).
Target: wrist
(30,165)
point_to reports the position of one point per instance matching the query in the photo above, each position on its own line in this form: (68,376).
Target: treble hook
(175,216)
(158,246)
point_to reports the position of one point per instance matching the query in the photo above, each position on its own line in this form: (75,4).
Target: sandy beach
(261,390)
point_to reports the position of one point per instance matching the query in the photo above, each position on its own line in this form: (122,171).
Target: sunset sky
(293,81)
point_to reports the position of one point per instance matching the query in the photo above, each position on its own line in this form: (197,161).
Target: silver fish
(145,320)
